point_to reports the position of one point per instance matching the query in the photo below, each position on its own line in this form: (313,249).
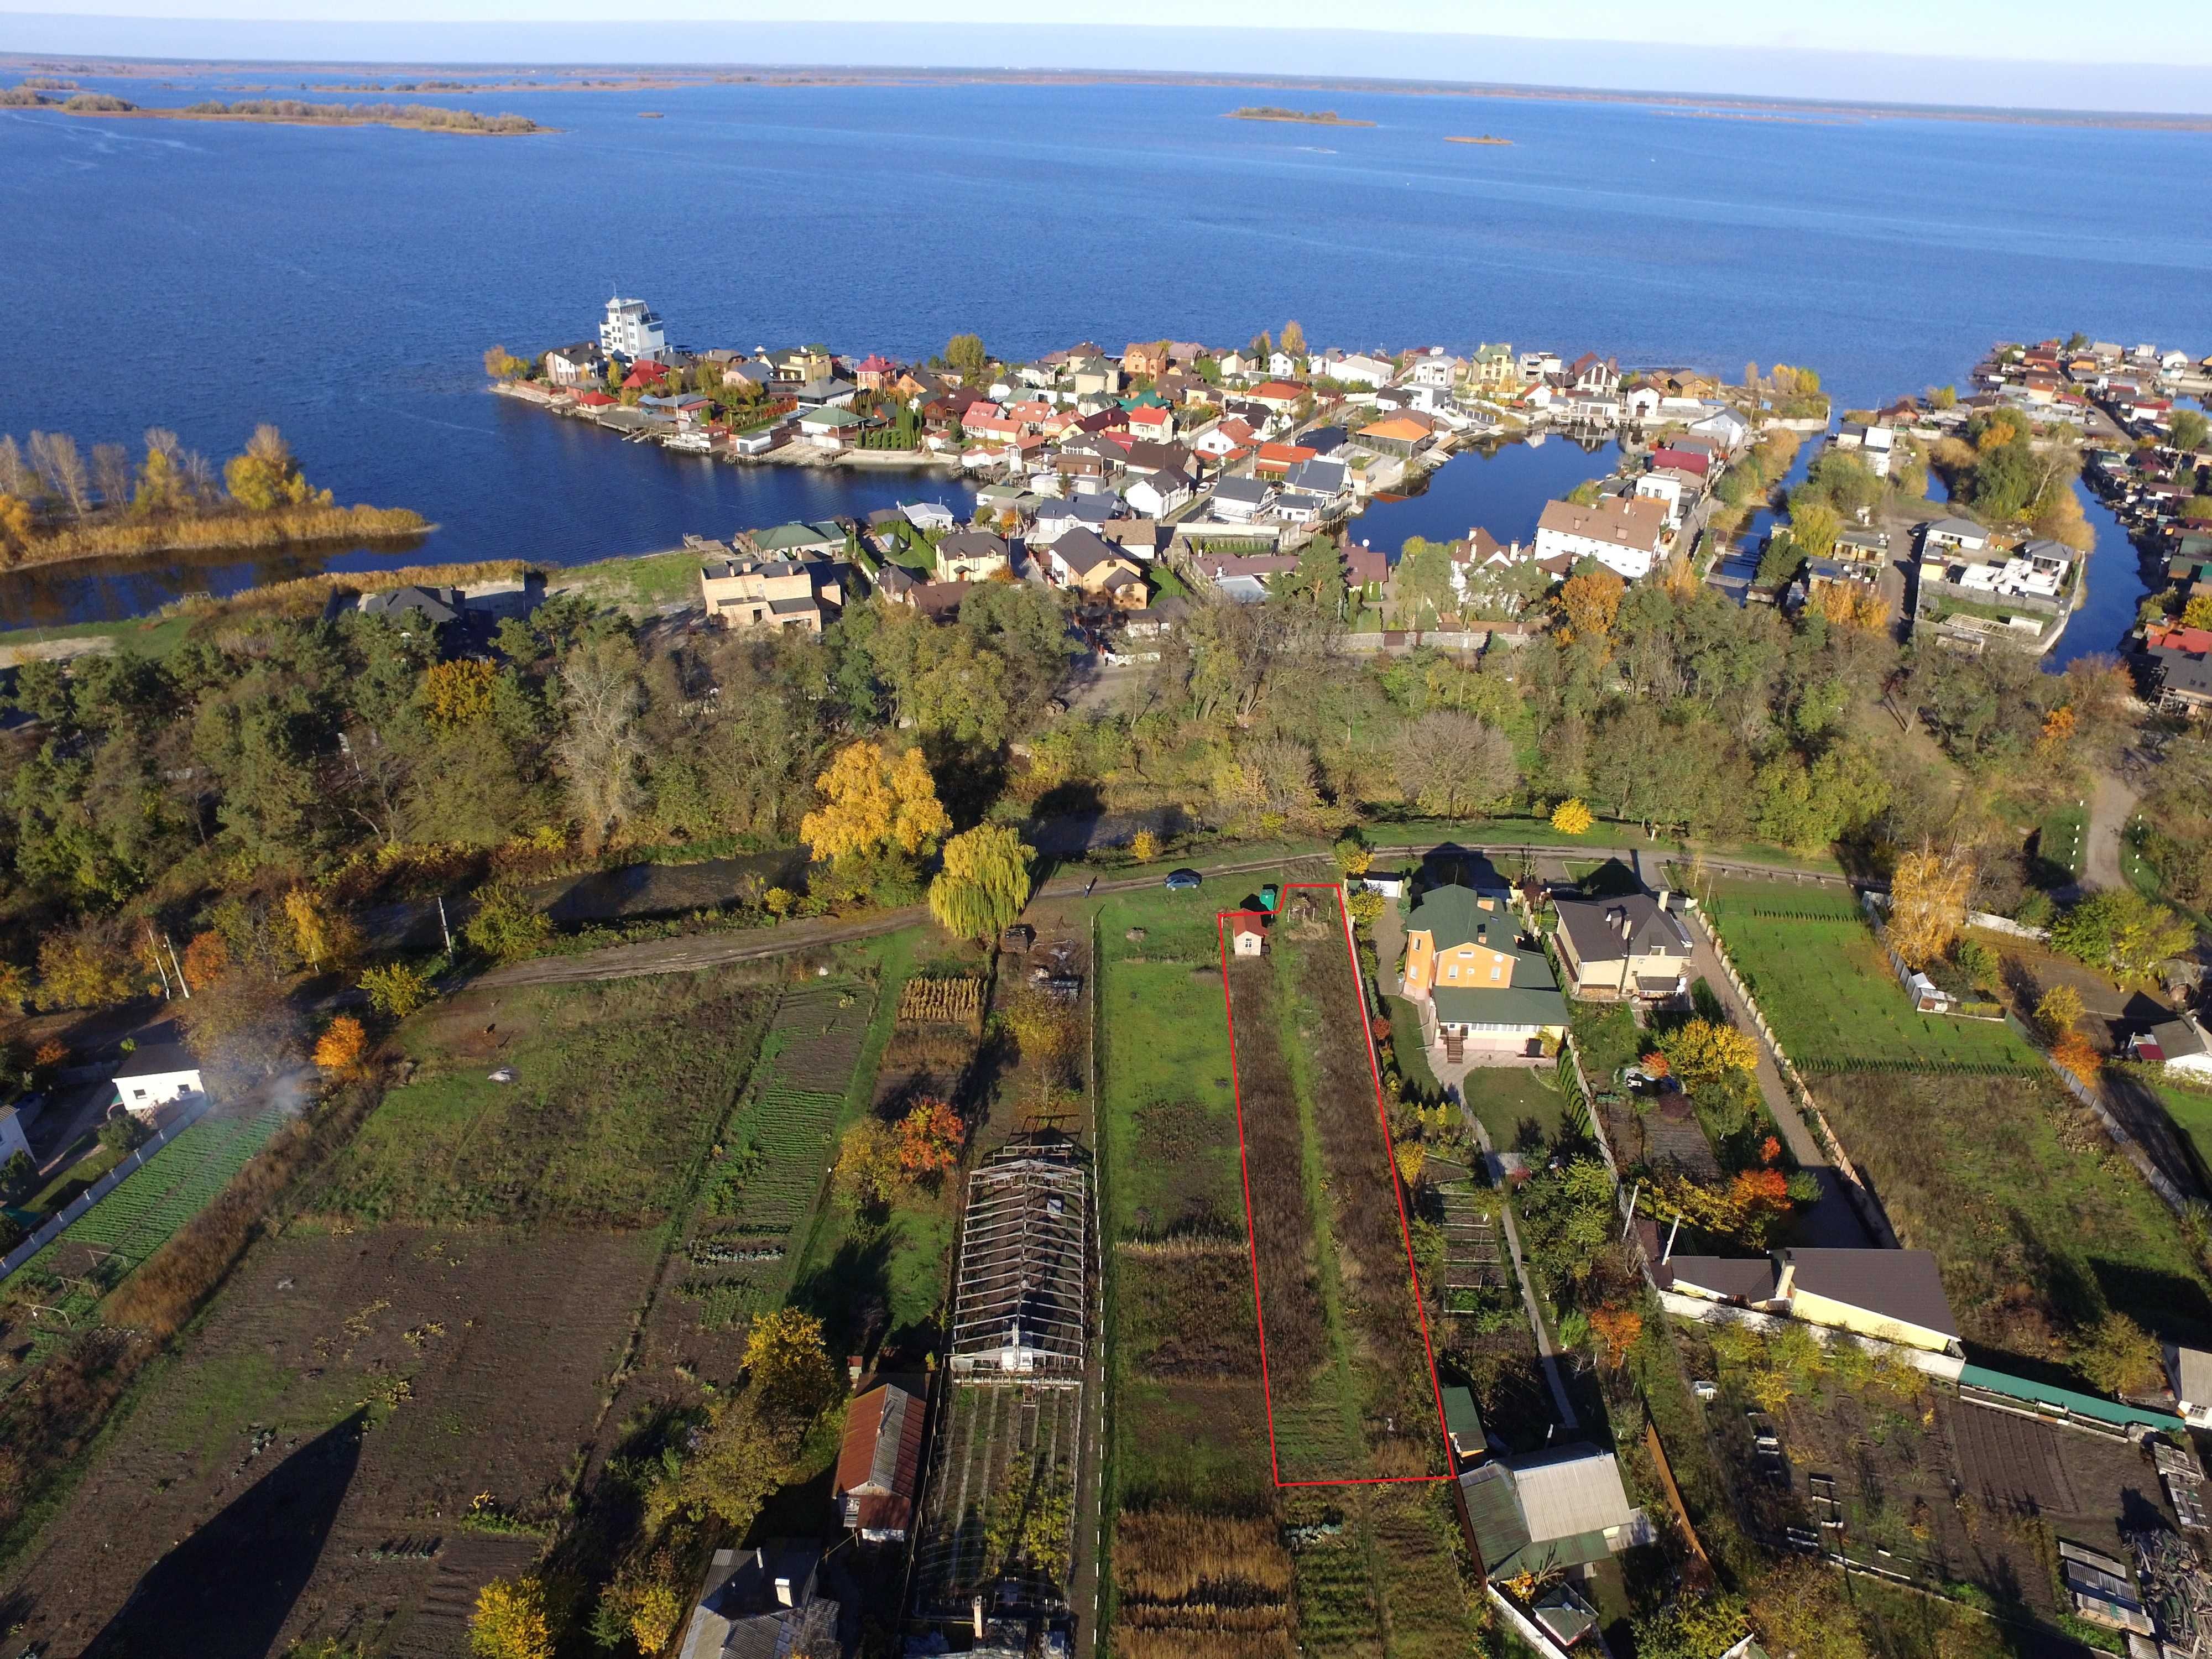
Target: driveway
(2111,806)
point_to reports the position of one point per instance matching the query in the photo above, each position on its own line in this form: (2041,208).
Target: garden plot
(94,1254)
(1828,990)
(761,1191)
(1001,1505)
(1900,1474)
(1345,1338)
(577,1106)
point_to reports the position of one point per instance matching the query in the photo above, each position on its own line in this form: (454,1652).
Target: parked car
(1183,881)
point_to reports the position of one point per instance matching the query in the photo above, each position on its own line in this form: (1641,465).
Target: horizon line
(1381,85)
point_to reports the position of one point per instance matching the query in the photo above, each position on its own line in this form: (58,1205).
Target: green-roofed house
(823,539)
(1463,1423)
(1473,980)
(1552,1512)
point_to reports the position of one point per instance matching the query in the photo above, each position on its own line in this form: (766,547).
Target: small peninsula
(1480,138)
(1312,117)
(286,112)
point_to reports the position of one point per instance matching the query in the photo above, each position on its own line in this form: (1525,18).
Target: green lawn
(1606,1037)
(58,1193)
(618,1090)
(1826,988)
(149,637)
(1164,1092)
(2192,1112)
(2062,843)
(1518,1105)
(2038,1226)
(646,578)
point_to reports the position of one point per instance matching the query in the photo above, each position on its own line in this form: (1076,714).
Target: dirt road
(2110,808)
(682,956)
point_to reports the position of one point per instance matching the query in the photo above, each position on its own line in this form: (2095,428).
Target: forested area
(277,751)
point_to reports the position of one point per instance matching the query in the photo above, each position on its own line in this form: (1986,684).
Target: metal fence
(56,1224)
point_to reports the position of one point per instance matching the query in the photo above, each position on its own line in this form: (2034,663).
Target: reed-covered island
(57,502)
(1312,117)
(286,112)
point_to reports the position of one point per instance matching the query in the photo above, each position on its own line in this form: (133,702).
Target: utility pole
(182,983)
(442,927)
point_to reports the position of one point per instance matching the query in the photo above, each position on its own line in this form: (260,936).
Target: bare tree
(1451,763)
(17,477)
(600,747)
(1286,770)
(267,444)
(199,476)
(62,468)
(110,474)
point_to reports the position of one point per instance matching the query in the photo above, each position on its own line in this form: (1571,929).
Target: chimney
(978,1608)
(1785,1275)
(852,1371)
(1482,933)
(783,1593)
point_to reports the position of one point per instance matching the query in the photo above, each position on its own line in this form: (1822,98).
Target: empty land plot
(328,1427)
(1826,988)
(1384,1326)
(2038,1222)
(1314,1416)
(618,1091)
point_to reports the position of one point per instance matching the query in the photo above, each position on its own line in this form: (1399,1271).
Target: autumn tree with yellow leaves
(1928,903)
(872,803)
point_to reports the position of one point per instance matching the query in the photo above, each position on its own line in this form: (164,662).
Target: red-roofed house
(1281,458)
(1688,460)
(1248,934)
(874,372)
(1280,396)
(989,425)
(595,399)
(1158,424)
(644,376)
(879,1463)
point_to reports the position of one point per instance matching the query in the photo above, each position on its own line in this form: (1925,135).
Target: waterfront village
(1115,1073)
(1132,480)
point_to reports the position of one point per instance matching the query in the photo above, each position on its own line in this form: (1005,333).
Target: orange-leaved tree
(339,1050)
(1619,1329)
(929,1137)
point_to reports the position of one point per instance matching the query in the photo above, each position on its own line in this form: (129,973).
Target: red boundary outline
(1221,919)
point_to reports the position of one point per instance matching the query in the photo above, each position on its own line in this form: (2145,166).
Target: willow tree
(984,883)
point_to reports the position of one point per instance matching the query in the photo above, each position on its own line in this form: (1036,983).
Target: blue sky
(2161,31)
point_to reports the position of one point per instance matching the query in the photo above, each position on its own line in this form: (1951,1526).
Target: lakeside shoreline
(360,524)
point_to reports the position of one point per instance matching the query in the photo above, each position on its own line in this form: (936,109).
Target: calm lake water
(344,284)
